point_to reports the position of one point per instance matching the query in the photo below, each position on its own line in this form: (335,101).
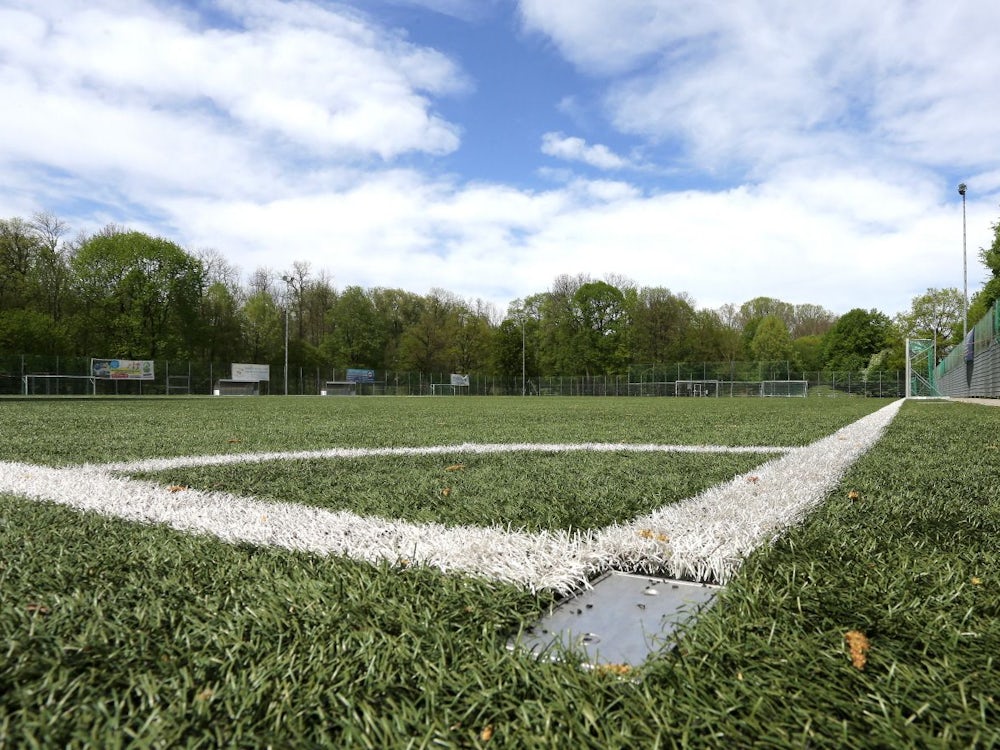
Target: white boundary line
(160,464)
(704,537)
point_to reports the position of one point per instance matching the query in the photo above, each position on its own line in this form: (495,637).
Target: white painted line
(704,537)
(160,464)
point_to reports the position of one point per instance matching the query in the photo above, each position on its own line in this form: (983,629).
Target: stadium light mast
(965,272)
(288,284)
(524,382)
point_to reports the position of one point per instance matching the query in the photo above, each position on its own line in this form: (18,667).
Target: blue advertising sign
(360,376)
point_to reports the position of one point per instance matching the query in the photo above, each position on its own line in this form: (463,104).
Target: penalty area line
(704,537)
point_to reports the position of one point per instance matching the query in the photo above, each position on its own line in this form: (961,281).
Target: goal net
(339,388)
(697,388)
(921,355)
(39,384)
(786,388)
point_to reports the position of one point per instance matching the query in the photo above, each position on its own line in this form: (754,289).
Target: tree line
(122,293)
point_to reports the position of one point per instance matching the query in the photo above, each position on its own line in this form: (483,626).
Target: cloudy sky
(729,150)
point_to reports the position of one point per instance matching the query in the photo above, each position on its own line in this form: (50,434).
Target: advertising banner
(459,379)
(122,369)
(360,376)
(243,371)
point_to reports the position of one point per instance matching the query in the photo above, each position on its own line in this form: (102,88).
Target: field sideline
(119,631)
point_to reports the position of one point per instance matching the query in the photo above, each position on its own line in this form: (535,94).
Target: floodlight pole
(965,272)
(288,283)
(524,382)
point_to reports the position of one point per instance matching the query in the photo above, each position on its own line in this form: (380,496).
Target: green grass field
(117,634)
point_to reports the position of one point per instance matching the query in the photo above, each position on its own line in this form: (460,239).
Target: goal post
(709,388)
(44,384)
(920,363)
(339,388)
(784,388)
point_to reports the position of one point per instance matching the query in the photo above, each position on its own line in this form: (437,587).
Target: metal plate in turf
(620,620)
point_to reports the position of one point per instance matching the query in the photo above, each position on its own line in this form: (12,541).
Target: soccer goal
(921,355)
(339,388)
(697,388)
(785,388)
(40,384)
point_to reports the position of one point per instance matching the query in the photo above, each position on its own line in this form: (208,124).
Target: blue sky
(484,147)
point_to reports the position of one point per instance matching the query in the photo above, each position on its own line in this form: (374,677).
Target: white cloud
(751,84)
(577,149)
(313,81)
(839,239)
(284,134)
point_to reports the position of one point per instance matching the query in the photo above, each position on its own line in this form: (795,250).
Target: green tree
(222,339)
(263,328)
(771,342)
(397,310)
(808,353)
(19,250)
(659,326)
(559,327)
(711,339)
(601,327)
(986,297)
(428,345)
(811,320)
(221,310)
(936,314)
(754,311)
(854,338)
(140,295)
(357,335)
(33,332)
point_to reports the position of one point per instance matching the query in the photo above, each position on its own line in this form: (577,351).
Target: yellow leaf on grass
(446,491)
(487,734)
(455,467)
(176,488)
(859,645)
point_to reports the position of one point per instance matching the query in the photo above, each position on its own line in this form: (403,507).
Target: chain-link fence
(66,376)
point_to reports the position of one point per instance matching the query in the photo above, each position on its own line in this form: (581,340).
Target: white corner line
(704,537)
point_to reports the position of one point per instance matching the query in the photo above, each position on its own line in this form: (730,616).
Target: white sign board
(251,372)
(459,379)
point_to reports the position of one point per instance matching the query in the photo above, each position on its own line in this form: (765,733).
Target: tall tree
(357,335)
(855,337)
(601,328)
(811,320)
(985,298)
(936,314)
(140,295)
(263,328)
(772,341)
(558,327)
(397,310)
(754,311)
(660,322)
(427,345)
(19,249)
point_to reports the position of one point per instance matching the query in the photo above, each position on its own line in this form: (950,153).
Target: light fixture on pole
(288,283)
(965,272)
